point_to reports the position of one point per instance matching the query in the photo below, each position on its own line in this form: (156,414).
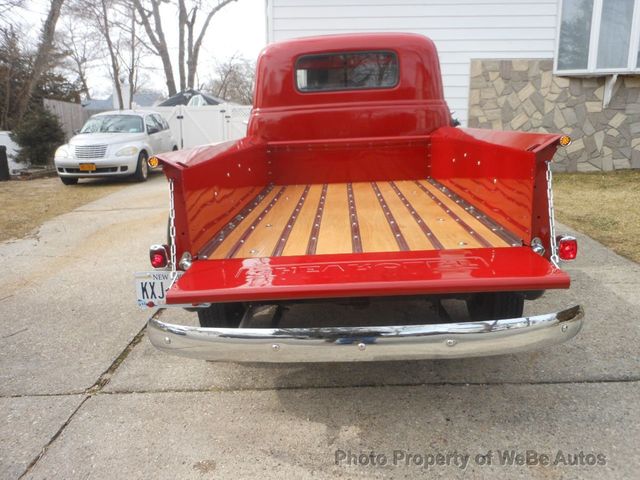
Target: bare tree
(149,12)
(6,5)
(115,20)
(104,23)
(233,80)
(194,38)
(42,56)
(131,53)
(11,59)
(81,49)
(194,20)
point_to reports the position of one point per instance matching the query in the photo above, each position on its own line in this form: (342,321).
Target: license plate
(151,287)
(87,167)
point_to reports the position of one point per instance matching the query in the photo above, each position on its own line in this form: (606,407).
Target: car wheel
(221,315)
(69,180)
(142,170)
(495,306)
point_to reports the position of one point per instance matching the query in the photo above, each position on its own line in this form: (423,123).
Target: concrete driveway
(83,394)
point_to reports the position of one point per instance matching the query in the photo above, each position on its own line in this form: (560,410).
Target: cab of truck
(352,183)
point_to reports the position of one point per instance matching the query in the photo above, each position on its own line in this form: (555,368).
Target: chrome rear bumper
(349,344)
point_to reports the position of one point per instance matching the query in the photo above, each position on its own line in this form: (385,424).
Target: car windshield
(113,124)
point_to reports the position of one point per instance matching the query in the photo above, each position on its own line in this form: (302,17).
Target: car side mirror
(152,130)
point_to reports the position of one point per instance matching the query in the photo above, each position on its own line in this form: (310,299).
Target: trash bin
(4,164)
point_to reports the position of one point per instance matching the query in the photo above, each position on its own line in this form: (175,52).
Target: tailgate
(365,275)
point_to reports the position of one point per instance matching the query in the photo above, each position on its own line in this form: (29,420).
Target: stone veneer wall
(525,95)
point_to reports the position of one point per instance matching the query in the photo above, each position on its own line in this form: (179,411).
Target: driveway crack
(55,436)
(103,380)
(106,376)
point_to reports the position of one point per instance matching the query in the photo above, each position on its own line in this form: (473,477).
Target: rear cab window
(346,71)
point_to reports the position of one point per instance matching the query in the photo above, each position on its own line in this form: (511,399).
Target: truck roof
(418,63)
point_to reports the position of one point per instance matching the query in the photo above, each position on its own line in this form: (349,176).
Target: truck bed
(359,217)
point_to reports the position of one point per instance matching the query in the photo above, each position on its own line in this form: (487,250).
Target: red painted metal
(415,106)
(368,135)
(349,160)
(501,173)
(367,274)
(212,184)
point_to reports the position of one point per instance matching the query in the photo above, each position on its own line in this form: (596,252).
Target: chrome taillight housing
(159,256)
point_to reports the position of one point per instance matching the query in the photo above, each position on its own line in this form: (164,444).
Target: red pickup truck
(354,183)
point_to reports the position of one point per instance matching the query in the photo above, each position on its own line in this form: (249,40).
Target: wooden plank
(335,231)
(264,237)
(509,237)
(391,219)
(416,238)
(293,219)
(481,230)
(299,236)
(374,227)
(454,216)
(450,234)
(227,244)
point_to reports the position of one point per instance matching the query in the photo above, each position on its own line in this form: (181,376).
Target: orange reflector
(154,162)
(565,140)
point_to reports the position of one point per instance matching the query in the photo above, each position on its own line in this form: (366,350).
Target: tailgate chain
(552,222)
(172,234)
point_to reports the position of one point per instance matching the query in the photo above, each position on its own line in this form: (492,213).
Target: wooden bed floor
(356,217)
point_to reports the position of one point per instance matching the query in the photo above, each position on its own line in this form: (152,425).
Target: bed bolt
(167,340)
(275,347)
(451,342)
(361,346)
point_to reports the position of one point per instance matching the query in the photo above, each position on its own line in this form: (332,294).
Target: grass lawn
(604,205)
(27,204)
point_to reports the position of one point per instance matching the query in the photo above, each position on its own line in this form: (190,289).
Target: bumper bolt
(565,328)
(275,347)
(167,340)
(361,346)
(451,342)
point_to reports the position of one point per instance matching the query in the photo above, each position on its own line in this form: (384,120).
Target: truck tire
(69,180)
(142,170)
(495,306)
(221,315)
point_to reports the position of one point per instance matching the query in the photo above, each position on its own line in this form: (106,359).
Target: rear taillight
(567,247)
(158,254)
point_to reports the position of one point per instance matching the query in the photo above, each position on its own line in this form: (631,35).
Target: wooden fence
(71,115)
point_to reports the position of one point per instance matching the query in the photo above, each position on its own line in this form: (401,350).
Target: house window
(598,37)
(346,71)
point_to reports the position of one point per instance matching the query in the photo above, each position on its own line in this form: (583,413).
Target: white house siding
(461,29)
